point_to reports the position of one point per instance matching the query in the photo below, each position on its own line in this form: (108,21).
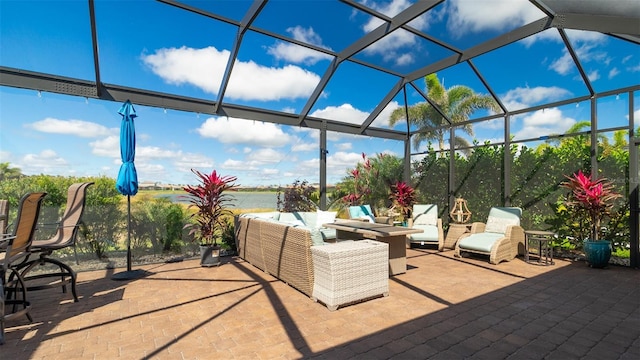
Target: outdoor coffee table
(395,236)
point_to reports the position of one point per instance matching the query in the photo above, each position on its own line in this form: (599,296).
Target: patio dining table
(395,236)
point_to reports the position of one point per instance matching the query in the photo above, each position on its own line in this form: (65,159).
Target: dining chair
(65,236)
(15,248)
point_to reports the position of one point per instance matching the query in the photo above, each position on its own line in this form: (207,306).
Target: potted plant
(593,200)
(403,197)
(210,198)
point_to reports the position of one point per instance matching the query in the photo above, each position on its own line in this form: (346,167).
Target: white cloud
(613,73)
(107,147)
(564,64)
(471,16)
(344,146)
(520,98)
(73,127)
(544,122)
(392,47)
(299,54)
(383,118)
(46,162)
(204,68)
(154,152)
(186,162)
(265,156)
(302,146)
(586,49)
(237,165)
(634,68)
(345,112)
(593,76)
(240,131)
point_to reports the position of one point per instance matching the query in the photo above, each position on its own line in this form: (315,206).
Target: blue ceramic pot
(597,253)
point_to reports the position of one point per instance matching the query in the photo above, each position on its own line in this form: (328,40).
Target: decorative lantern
(460,212)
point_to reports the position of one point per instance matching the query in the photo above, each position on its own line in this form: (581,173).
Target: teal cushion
(316,237)
(328,234)
(430,233)
(291,217)
(481,242)
(360,212)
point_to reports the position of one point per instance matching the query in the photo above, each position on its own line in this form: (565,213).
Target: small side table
(540,240)
(454,233)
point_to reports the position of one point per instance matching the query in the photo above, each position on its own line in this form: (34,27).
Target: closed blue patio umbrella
(127,181)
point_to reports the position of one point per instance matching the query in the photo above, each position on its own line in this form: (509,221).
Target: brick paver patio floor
(442,308)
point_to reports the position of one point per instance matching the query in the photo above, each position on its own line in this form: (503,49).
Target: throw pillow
(499,225)
(324,217)
(430,218)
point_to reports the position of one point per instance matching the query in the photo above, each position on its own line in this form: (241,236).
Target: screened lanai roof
(336,65)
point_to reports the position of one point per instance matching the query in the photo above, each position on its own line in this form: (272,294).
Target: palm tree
(7,172)
(457,103)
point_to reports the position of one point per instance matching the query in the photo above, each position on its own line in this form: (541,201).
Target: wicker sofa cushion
(306,220)
(481,242)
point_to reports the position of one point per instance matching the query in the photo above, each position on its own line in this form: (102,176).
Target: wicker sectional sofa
(280,244)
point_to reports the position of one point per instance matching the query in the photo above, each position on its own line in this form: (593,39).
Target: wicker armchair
(501,237)
(425,217)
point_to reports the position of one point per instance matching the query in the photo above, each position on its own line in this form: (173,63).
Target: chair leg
(65,272)
(16,286)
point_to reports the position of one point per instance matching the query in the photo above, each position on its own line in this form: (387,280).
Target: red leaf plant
(595,197)
(210,199)
(403,196)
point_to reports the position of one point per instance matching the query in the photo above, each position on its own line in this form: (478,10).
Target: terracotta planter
(597,253)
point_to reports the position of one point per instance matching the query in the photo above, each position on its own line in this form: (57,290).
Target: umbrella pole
(129,274)
(128,233)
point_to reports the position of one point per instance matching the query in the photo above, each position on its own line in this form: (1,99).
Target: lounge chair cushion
(425,215)
(481,242)
(430,233)
(502,217)
(361,212)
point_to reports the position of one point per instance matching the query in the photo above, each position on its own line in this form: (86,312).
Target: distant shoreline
(180,192)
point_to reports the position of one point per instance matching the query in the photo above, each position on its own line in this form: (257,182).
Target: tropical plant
(593,197)
(297,197)
(403,197)
(210,198)
(456,103)
(369,182)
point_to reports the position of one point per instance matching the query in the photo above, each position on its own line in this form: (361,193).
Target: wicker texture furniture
(425,217)
(4,216)
(502,237)
(350,271)
(278,249)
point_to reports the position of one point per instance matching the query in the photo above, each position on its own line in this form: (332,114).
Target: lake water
(242,200)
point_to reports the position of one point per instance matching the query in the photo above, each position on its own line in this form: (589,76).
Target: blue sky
(157,47)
